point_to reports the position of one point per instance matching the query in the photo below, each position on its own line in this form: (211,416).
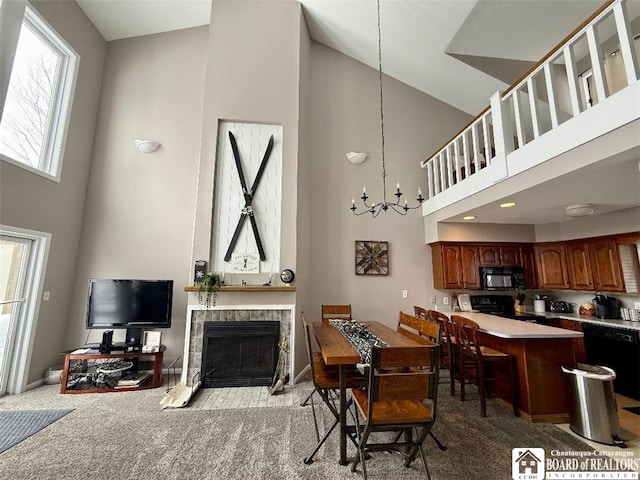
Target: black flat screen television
(131,304)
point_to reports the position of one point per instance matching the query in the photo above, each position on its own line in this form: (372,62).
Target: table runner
(359,337)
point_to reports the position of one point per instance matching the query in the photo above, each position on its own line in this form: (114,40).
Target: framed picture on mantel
(372,258)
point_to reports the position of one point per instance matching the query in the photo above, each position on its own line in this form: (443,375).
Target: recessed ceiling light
(468,217)
(508,204)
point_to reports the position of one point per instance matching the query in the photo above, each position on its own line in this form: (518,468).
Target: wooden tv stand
(80,375)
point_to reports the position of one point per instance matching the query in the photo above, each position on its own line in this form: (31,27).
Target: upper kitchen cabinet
(470,270)
(497,254)
(605,263)
(528,263)
(551,265)
(579,263)
(455,266)
(489,255)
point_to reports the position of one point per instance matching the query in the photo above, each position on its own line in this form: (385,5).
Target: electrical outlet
(445,300)
(46,295)
(405,294)
(434,299)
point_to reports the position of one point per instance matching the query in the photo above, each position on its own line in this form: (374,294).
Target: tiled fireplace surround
(197,316)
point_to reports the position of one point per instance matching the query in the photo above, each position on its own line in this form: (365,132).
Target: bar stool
(448,349)
(479,364)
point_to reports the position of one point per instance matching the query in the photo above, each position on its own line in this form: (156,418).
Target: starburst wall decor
(372,258)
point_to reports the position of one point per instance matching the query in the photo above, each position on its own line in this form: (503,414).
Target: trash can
(594,415)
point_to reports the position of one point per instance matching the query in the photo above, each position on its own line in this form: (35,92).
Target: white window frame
(62,98)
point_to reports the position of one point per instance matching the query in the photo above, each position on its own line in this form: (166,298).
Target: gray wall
(32,202)
(140,206)
(346,117)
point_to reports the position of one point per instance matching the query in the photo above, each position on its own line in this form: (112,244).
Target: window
(36,110)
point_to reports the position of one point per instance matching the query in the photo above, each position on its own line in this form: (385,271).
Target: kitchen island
(545,393)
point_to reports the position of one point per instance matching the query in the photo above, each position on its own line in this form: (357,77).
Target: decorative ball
(587,309)
(287,275)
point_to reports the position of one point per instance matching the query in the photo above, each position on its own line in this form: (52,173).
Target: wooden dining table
(336,350)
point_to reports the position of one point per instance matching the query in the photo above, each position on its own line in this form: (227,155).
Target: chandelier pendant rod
(375,208)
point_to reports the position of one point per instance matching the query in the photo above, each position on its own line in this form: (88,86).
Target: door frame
(18,367)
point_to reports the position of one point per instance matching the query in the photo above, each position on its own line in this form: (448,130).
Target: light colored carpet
(125,435)
(16,425)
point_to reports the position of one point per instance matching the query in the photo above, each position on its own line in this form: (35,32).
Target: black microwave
(502,278)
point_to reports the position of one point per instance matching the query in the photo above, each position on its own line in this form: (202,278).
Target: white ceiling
(422,44)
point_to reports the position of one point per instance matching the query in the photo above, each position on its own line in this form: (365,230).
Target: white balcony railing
(596,61)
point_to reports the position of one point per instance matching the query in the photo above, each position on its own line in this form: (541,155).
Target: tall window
(34,120)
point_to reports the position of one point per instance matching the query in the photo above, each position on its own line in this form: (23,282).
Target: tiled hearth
(196,316)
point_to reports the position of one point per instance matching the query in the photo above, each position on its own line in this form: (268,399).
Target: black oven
(502,278)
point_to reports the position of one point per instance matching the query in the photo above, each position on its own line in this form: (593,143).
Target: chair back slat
(403,386)
(341,312)
(409,373)
(409,322)
(419,329)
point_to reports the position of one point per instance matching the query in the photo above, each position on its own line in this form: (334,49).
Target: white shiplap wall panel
(252,140)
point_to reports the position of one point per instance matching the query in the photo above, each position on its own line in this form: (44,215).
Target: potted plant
(208,287)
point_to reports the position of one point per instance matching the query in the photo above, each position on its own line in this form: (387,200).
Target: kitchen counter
(544,392)
(514,329)
(598,321)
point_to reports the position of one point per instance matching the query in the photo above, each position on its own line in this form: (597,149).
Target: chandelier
(398,206)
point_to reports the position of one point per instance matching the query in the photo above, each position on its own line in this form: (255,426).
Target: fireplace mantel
(248,288)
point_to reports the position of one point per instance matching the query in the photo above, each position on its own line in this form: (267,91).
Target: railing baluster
(443,159)
(553,103)
(533,96)
(451,165)
(475,147)
(467,157)
(487,143)
(518,120)
(572,79)
(595,51)
(626,42)
(430,189)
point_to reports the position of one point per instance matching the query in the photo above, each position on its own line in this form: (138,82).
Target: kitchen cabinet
(489,255)
(498,254)
(470,270)
(551,265)
(510,255)
(455,266)
(579,264)
(605,263)
(528,263)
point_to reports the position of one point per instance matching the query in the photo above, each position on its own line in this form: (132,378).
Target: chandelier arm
(398,209)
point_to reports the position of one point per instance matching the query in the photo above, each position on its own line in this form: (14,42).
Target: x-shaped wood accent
(247,210)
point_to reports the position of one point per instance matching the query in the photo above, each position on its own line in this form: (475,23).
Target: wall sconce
(356,158)
(147,146)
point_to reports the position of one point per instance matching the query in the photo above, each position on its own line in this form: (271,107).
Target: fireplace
(239,353)
(198,316)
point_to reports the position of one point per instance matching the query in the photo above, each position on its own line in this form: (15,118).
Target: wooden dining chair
(401,396)
(483,366)
(423,331)
(448,353)
(340,312)
(326,382)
